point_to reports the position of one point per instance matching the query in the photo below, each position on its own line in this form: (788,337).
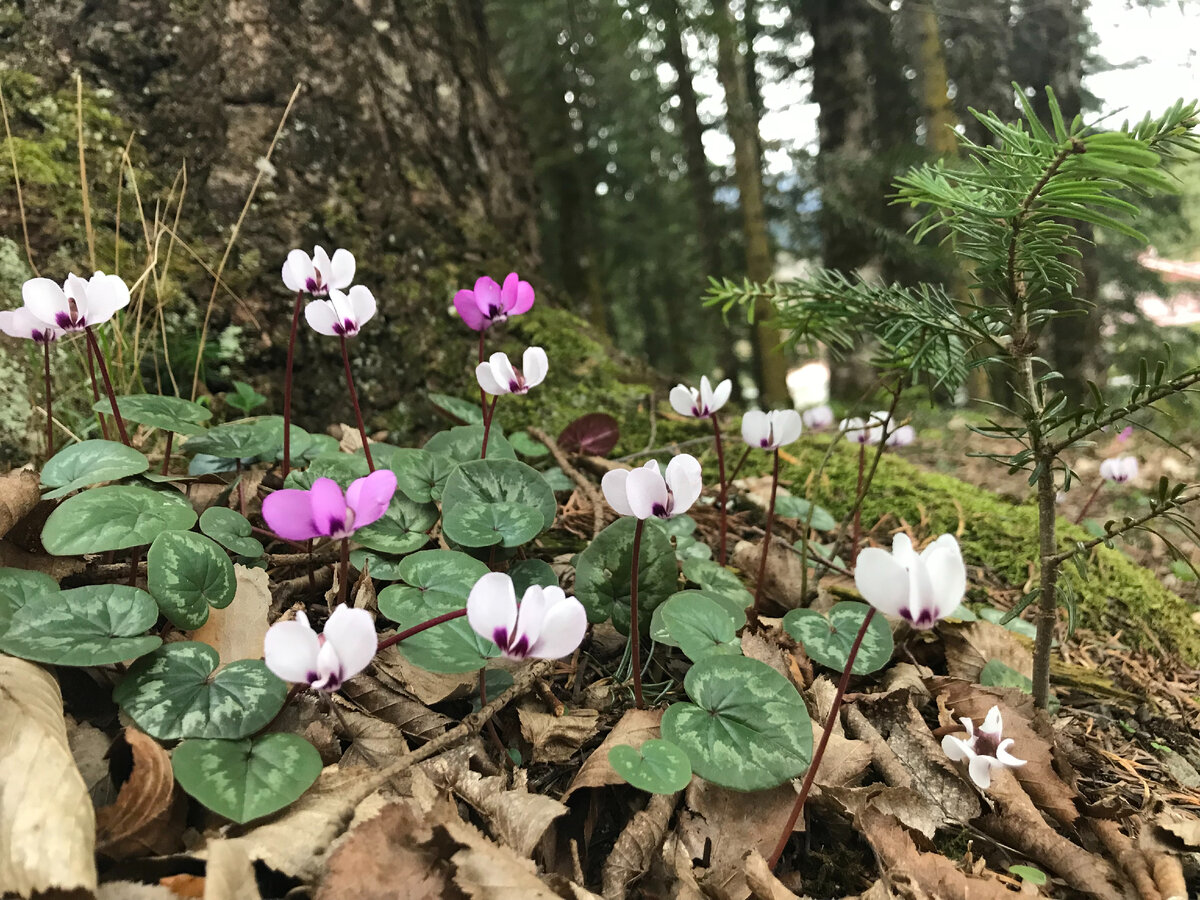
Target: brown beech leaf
(637,845)
(237,631)
(18,496)
(47,826)
(411,716)
(428,687)
(229,874)
(1183,827)
(971,645)
(914,810)
(1038,776)
(555,739)
(484,870)
(635,727)
(374,742)
(89,746)
(762,881)
(781,581)
(147,817)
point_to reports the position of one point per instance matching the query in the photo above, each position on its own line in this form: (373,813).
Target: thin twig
(589,488)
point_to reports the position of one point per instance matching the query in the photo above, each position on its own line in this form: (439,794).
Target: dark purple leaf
(594,434)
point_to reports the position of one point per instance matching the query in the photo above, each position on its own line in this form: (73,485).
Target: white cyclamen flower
(985,747)
(318,274)
(645,492)
(296,653)
(21,323)
(497,376)
(702,403)
(865,431)
(902,436)
(547,624)
(78,304)
(341,315)
(1119,469)
(817,417)
(919,589)
(771,430)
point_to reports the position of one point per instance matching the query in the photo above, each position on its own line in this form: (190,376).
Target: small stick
(167,453)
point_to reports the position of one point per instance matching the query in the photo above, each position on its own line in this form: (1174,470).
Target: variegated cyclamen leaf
(18,587)
(114,517)
(449,648)
(602,573)
(716,579)
(87,626)
(246,779)
(167,413)
(699,625)
(746,728)
(660,633)
(464,443)
(529,572)
(403,528)
(658,767)
(485,481)
(187,573)
(441,578)
(491,524)
(90,462)
(340,467)
(235,440)
(420,474)
(173,693)
(382,566)
(231,530)
(828,640)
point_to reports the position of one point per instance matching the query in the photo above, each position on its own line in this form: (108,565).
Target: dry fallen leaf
(374,742)
(555,739)
(634,728)
(229,874)
(89,746)
(428,687)
(971,645)
(18,496)
(47,826)
(411,716)
(637,845)
(487,871)
(762,881)
(781,581)
(135,890)
(237,631)
(147,817)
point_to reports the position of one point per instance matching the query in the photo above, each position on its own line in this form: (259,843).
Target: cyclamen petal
(646,492)
(290,649)
(488,303)
(817,417)
(615,487)
(492,608)
(352,634)
(369,497)
(324,511)
(498,376)
(21,323)
(294,652)
(78,304)
(702,402)
(920,589)
(771,430)
(984,748)
(1119,469)
(546,624)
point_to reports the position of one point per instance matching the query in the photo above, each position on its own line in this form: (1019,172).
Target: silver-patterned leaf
(168,413)
(173,693)
(86,626)
(489,524)
(403,528)
(114,517)
(18,587)
(829,640)
(187,573)
(604,571)
(231,530)
(90,462)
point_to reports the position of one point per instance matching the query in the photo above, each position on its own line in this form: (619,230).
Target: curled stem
(287,385)
(635,631)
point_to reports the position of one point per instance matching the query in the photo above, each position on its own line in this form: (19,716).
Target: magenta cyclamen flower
(490,304)
(1119,469)
(701,403)
(78,303)
(646,492)
(497,376)
(547,624)
(317,274)
(296,653)
(21,323)
(985,747)
(324,511)
(341,315)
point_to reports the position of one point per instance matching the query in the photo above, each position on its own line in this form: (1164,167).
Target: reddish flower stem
(344,577)
(489,413)
(752,613)
(1088,503)
(417,629)
(167,453)
(721,496)
(635,631)
(811,774)
(112,397)
(738,467)
(362,429)
(95,389)
(49,403)
(856,534)
(482,392)
(491,725)
(287,385)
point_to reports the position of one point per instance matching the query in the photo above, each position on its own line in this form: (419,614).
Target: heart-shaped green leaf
(234,440)
(699,625)
(187,573)
(506,524)
(998,674)
(680,526)
(467,412)
(168,413)
(690,548)
(341,467)
(658,767)
(828,640)
(383,566)
(529,572)
(602,573)
(465,442)
(450,647)
(420,475)
(18,587)
(90,462)
(714,578)
(231,530)
(432,578)
(403,528)
(114,517)
(746,728)
(528,446)
(247,779)
(483,481)
(173,693)
(87,626)
(798,508)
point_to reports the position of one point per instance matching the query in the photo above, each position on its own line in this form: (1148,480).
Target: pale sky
(1154,50)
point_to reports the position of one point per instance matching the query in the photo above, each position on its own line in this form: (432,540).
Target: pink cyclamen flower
(702,403)
(1119,469)
(817,417)
(318,274)
(497,375)
(771,430)
(78,303)
(296,653)
(645,492)
(865,431)
(490,304)
(341,315)
(21,323)
(985,747)
(324,511)
(919,589)
(901,437)
(547,624)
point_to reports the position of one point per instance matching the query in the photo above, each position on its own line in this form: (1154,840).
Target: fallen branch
(585,484)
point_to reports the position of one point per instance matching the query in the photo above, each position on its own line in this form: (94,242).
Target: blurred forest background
(617,153)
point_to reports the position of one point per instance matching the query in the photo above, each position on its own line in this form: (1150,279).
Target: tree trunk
(743,129)
(400,147)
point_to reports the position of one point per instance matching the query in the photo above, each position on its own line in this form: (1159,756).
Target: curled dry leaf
(89,746)
(373,741)
(781,581)
(391,704)
(47,826)
(428,687)
(148,815)
(762,881)
(484,870)
(555,739)
(18,496)
(637,845)
(237,631)
(971,645)
(635,727)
